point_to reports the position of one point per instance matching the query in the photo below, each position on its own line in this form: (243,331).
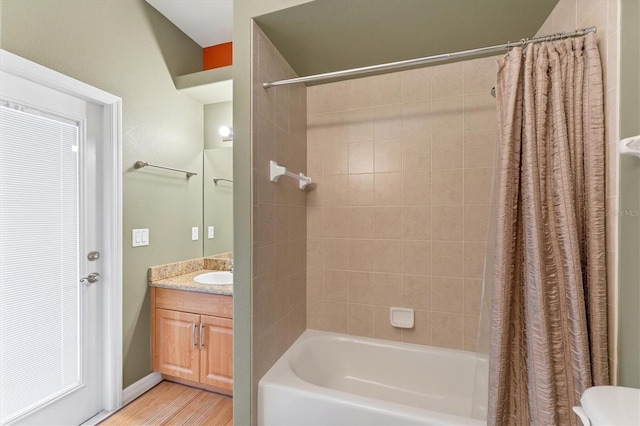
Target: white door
(51,354)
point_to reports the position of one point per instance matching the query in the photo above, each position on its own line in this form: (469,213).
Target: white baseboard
(136,389)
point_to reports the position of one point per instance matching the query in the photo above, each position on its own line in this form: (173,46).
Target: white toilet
(609,405)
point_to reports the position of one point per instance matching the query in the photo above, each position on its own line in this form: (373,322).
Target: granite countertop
(180,275)
(186,282)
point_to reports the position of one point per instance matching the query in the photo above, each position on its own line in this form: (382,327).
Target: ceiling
(329,35)
(207,22)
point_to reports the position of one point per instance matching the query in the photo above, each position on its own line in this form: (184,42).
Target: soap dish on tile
(401,317)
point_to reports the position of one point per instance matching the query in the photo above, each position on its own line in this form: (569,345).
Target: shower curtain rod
(428,59)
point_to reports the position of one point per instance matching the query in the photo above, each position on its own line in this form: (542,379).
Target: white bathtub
(335,379)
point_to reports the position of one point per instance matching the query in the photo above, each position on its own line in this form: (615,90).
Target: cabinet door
(216,360)
(176,352)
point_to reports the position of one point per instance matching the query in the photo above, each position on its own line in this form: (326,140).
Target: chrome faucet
(231,265)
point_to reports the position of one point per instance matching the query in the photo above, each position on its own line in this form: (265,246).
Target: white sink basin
(215,277)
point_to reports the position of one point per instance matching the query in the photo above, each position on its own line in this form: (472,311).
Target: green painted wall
(629,219)
(129,49)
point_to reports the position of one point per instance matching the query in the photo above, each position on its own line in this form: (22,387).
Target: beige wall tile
(315,283)
(336,158)
(361,222)
(474,259)
(447,223)
(565,16)
(416,152)
(361,93)
(335,222)
(315,222)
(361,320)
(415,85)
(471,323)
(416,223)
(336,285)
(266,225)
(446,259)
(315,100)
(387,256)
(387,122)
(361,190)
(335,317)
(361,288)
(416,188)
(447,330)
(447,295)
(416,118)
(386,187)
(480,112)
(336,190)
(315,159)
(388,156)
(477,186)
(382,325)
(282,129)
(387,88)
(591,12)
(480,75)
(387,223)
(315,191)
(388,289)
(447,80)
(286,217)
(336,96)
(315,314)
(416,257)
(361,255)
(446,151)
(403,152)
(336,254)
(479,148)
(361,125)
(416,292)
(447,187)
(361,157)
(476,220)
(472,296)
(421,333)
(335,127)
(446,115)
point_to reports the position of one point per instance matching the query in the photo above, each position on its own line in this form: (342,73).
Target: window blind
(39,289)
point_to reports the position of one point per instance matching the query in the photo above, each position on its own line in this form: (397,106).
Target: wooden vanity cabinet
(192,338)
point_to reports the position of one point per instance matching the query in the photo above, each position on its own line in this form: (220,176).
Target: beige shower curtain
(549,320)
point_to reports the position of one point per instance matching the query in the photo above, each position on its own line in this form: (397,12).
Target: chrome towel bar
(141,164)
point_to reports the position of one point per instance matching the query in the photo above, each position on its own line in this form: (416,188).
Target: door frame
(111,294)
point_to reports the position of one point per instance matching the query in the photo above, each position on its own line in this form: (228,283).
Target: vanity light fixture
(226,132)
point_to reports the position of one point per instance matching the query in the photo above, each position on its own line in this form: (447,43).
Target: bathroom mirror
(217,196)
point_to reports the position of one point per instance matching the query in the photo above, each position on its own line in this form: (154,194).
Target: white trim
(112,199)
(136,389)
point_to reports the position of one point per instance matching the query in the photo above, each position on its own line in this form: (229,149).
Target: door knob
(93,277)
(93,255)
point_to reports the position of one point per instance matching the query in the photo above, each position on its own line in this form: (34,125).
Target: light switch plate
(194,233)
(139,237)
(210,232)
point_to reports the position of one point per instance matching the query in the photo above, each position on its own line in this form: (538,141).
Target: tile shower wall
(604,14)
(398,216)
(279,212)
